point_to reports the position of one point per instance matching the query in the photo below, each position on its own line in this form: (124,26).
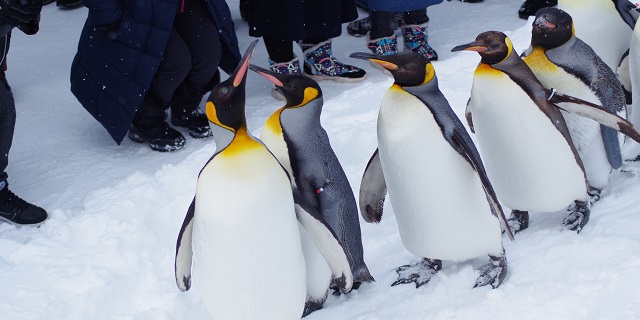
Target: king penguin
(606,26)
(297,139)
(240,230)
(524,139)
(634,69)
(562,61)
(444,204)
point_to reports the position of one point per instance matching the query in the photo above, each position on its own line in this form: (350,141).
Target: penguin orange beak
(472,46)
(375,58)
(241,71)
(270,75)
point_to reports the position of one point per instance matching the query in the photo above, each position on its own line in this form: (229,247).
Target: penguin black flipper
(184,251)
(468,115)
(594,112)
(325,239)
(373,190)
(601,79)
(626,10)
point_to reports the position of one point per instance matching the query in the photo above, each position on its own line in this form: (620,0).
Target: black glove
(19,13)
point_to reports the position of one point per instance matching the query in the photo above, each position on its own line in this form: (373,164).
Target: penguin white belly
(634,70)
(248,261)
(598,23)
(273,138)
(437,197)
(585,133)
(529,162)
(318,271)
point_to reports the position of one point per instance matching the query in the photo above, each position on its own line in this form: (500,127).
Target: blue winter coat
(399,5)
(112,70)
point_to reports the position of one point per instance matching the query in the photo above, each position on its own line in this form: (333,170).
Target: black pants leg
(192,56)
(416,16)
(383,24)
(200,35)
(7,123)
(279,50)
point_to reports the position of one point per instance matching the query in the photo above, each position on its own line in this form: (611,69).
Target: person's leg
(200,36)
(279,50)
(281,59)
(415,35)
(383,24)
(13,209)
(149,124)
(321,64)
(382,38)
(7,123)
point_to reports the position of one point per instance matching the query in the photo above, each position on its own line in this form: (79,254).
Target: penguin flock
(274,228)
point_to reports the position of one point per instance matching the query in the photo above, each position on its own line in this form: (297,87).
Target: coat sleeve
(104,12)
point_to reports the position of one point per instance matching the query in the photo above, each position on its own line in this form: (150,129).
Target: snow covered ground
(107,250)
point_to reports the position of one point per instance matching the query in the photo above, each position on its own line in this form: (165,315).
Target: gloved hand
(18,13)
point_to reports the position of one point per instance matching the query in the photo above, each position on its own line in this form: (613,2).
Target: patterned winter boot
(416,39)
(320,64)
(291,67)
(385,46)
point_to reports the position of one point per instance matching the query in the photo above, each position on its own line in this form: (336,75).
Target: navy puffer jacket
(113,69)
(399,5)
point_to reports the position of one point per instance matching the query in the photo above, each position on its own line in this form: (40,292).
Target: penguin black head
(552,27)
(225,105)
(493,46)
(297,89)
(409,69)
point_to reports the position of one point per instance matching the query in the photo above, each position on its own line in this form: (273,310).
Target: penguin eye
(223,91)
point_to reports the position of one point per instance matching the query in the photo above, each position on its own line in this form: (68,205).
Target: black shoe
(196,121)
(17,211)
(69,4)
(530,7)
(160,136)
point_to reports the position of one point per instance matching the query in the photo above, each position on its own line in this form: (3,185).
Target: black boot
(149,127)
(17,211)
(530,7)
(185,111)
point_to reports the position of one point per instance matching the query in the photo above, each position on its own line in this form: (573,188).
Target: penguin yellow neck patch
(509,48)
(537,60)
(213,116)
(395,87)
(485,69)
(273,123)
(242,142)
(309,94)
(429,73)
